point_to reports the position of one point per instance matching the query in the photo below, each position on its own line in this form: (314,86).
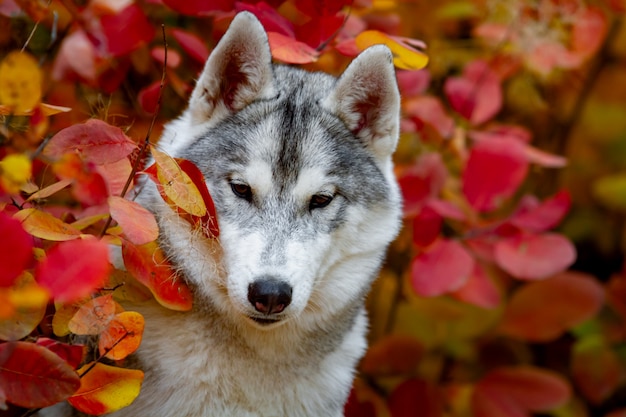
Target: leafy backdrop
(505,293)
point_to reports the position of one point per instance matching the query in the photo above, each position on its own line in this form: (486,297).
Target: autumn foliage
(504,294)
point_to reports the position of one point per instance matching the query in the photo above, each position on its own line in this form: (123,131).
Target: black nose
(269,296)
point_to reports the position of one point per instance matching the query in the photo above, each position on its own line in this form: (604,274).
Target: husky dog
(299,167)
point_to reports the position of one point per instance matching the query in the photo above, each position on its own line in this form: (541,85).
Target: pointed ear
(238,72)
(367,99)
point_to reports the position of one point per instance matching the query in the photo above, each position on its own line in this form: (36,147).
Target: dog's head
(299,165)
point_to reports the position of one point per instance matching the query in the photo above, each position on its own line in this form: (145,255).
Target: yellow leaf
(46,110)
(49,190)
(404,56)
(45,226)
(62,316)
(15,171)
(105,389)
(20,82)
(27,302)
(177,185)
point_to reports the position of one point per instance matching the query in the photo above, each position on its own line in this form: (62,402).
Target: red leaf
(88,187)
(544,216)
(495,169)
(15,253)
(148,97)
(127,30)
(31,376)
(428,110)
(422,181)
(74,269)
(115,175)
(413,83)
(477,94)
(95,140)
(444,266)
(77,56)
(290,50)
(479,289)
(271,20)
(541,311)
(616,294)
(148,265)
(515,132)
(173,57)
(322,7)
(194,46)
(72,354)
(426,227)
(534,256)
(138,224)
(356,408)
(319,30)
(415,397)
(590,27)
(518,391)
(200,7)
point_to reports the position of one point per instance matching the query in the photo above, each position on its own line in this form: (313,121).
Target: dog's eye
(320,201)
(241,190)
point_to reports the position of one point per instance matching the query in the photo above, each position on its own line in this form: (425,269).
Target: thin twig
(146,142)
(102,356)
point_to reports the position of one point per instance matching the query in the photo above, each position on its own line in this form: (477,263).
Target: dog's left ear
(238,72)
(367,99)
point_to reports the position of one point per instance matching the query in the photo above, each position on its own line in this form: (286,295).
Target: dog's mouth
(265,321)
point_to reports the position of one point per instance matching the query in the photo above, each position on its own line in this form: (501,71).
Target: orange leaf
(148,265)
(543,310)
(404,55)
(20,81)
(45,226)
(105,389)
(393,355)
(290,50)
(122,336)
(94,316)
(517,391)
(596,369)
(139,224)
(177,185)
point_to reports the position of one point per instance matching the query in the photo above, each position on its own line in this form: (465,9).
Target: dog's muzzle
(269,296)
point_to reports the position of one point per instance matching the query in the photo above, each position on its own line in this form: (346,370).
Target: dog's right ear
(238,72)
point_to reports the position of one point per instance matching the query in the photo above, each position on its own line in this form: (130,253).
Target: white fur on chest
(191,373)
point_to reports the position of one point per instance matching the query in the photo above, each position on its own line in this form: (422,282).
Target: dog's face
(299,166)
